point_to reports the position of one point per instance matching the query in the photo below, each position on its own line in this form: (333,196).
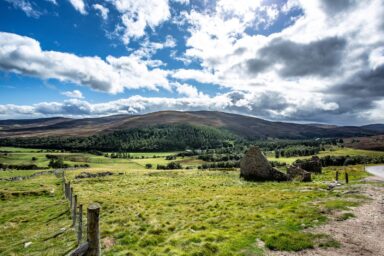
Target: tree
(57,163)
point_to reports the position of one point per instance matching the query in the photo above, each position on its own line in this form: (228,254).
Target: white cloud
(188,90)
(73,94)
(102,10)
(23,55)
(79,5)
(25,6)
(170,42)
(333,44)
(136,16)
(256,104)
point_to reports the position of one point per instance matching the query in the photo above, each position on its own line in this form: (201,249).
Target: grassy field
(182,212)
(34,211)
(333,152)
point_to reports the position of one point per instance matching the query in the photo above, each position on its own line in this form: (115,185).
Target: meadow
(173,212)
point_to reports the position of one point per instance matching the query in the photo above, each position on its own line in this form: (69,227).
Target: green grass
(33,211)
(182,212)
(15,173)
(332,152)
(204,212)
(14,149)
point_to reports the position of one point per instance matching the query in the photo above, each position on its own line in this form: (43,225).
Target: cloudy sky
(285,60)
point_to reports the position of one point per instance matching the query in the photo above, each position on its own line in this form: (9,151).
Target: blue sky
(286,60)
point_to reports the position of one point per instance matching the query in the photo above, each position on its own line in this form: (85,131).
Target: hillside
(244,126)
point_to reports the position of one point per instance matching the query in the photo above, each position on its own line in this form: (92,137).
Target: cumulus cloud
(73,94)
(320,58)
(136,16)
(323,63)
(188,90)
(332,53)
(269,104)
(79,5)
(103,11)
(23,55)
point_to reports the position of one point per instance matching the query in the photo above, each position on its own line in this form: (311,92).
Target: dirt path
(362,235)
(377,170)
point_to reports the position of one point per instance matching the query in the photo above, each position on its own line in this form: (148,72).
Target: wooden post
(346,178)
(63,184)
(69,190)
(80,225)
(74,208)
(93,233)
(71,198)
(66,190)
(337,175)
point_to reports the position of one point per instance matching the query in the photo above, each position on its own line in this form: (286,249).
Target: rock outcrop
(255,167)
(310,165)
(85,175)
(296,173)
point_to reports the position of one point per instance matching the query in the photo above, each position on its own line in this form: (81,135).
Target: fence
(91,247)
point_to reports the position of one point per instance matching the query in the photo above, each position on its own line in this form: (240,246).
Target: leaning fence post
(74,206)
(80,225)
(346,178)
(93,234)
(337,175)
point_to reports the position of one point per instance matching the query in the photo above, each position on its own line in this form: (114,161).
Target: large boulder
(255,167)
(296,173)
(310,165)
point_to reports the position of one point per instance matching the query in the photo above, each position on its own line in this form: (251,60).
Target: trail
(378,170)
(362,235)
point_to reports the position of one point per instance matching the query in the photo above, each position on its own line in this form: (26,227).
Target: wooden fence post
(64,184)
(71,198)
(66,190)
(80,225)
(337,175)
(346,178)
(74,208)
(93,233)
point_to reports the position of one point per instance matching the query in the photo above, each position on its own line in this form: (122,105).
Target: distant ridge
(244,126)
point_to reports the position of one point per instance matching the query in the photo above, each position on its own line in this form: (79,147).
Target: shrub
(169,166)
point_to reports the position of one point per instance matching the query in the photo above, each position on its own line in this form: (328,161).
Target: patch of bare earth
(361,235)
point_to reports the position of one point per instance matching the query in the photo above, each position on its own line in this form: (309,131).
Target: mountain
(374,127)
(243,126)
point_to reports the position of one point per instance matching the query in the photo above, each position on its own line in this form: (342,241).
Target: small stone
(27,244)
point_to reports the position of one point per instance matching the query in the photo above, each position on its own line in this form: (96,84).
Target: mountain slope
(244,126)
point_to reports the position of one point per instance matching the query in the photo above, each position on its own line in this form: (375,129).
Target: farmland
(168,212)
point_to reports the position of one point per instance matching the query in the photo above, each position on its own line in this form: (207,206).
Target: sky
(283,60)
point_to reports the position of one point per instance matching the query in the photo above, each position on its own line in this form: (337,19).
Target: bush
(169,166)
(148,166)
(57,163)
